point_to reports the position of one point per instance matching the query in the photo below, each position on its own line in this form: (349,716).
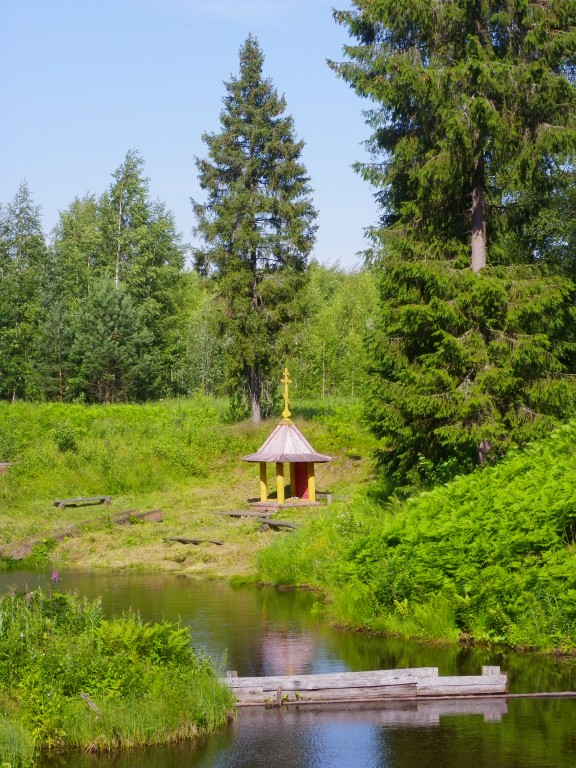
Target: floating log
(81,501)
(182,540)
(422,682)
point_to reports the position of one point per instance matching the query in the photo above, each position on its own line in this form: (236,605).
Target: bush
(76,679)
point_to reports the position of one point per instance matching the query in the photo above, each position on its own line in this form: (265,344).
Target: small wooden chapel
(287,445)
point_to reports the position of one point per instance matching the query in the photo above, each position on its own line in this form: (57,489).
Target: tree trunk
(117,264)
(255,396)
(484,447)
(478,257)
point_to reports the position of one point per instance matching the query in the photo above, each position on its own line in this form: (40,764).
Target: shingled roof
(287,444)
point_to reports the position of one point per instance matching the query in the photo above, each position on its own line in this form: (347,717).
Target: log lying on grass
(18,550)
(268,522)
(241,513)
(132,515)
(81,501)
(183,540)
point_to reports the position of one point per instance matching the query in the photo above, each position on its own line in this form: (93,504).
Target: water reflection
(522,735)
(259,632)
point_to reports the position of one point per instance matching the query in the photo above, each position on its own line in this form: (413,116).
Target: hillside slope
(488,557)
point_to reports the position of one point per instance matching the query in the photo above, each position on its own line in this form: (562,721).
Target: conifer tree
(23,256)
(141,249)
(112,349)
(473,119)
(257,224)
(125,236)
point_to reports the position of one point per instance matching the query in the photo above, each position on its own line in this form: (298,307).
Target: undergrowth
(70,678)
(489,557)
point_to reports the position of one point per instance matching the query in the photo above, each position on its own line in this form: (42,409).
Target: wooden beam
(311,482)
(277,523)
(263,482)
(280,482)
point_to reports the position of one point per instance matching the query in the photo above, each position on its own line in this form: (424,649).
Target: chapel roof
(287,444)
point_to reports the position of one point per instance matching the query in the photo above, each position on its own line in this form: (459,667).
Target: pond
(262,632)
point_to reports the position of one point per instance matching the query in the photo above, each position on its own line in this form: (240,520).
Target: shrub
(144,684)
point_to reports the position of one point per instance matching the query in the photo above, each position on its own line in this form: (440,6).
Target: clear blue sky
(84,81)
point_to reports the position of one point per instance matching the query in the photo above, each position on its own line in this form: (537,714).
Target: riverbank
(489,558)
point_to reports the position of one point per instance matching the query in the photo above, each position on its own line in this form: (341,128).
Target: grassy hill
(490,557)
(180,456)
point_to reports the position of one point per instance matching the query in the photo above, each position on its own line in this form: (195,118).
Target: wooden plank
(472,684)
(153,516)
(334,680)
(251,696)
(243,513)
(280,696)
(396,691)
(82,500)
(420,682)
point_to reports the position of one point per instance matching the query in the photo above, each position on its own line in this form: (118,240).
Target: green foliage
(466,365)
(474,107)
(65,437)
(490,556)
(473,140)
(145,683)
(23,254)
(328,357)
(16,745)
(76,450)
(111,351)
(257,225)
(52,296)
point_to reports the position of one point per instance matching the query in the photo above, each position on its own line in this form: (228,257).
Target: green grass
(182,456)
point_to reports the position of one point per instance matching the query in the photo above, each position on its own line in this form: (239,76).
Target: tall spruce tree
(257,225)
(23,255)
(473,116)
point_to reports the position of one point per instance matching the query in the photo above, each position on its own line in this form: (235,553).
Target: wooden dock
(379,685)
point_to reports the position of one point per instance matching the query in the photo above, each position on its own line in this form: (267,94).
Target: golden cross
(286,380)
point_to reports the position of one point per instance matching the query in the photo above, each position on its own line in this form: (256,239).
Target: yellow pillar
(263,482)
(280,482)
(292,479)
(311,482)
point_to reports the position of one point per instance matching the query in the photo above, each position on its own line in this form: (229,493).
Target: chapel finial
(286,380)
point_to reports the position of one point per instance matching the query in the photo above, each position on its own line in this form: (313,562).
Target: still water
(263,632)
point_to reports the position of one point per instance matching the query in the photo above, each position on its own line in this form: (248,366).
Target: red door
(301,480)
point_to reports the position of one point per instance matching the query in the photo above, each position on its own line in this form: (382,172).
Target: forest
(458,335)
